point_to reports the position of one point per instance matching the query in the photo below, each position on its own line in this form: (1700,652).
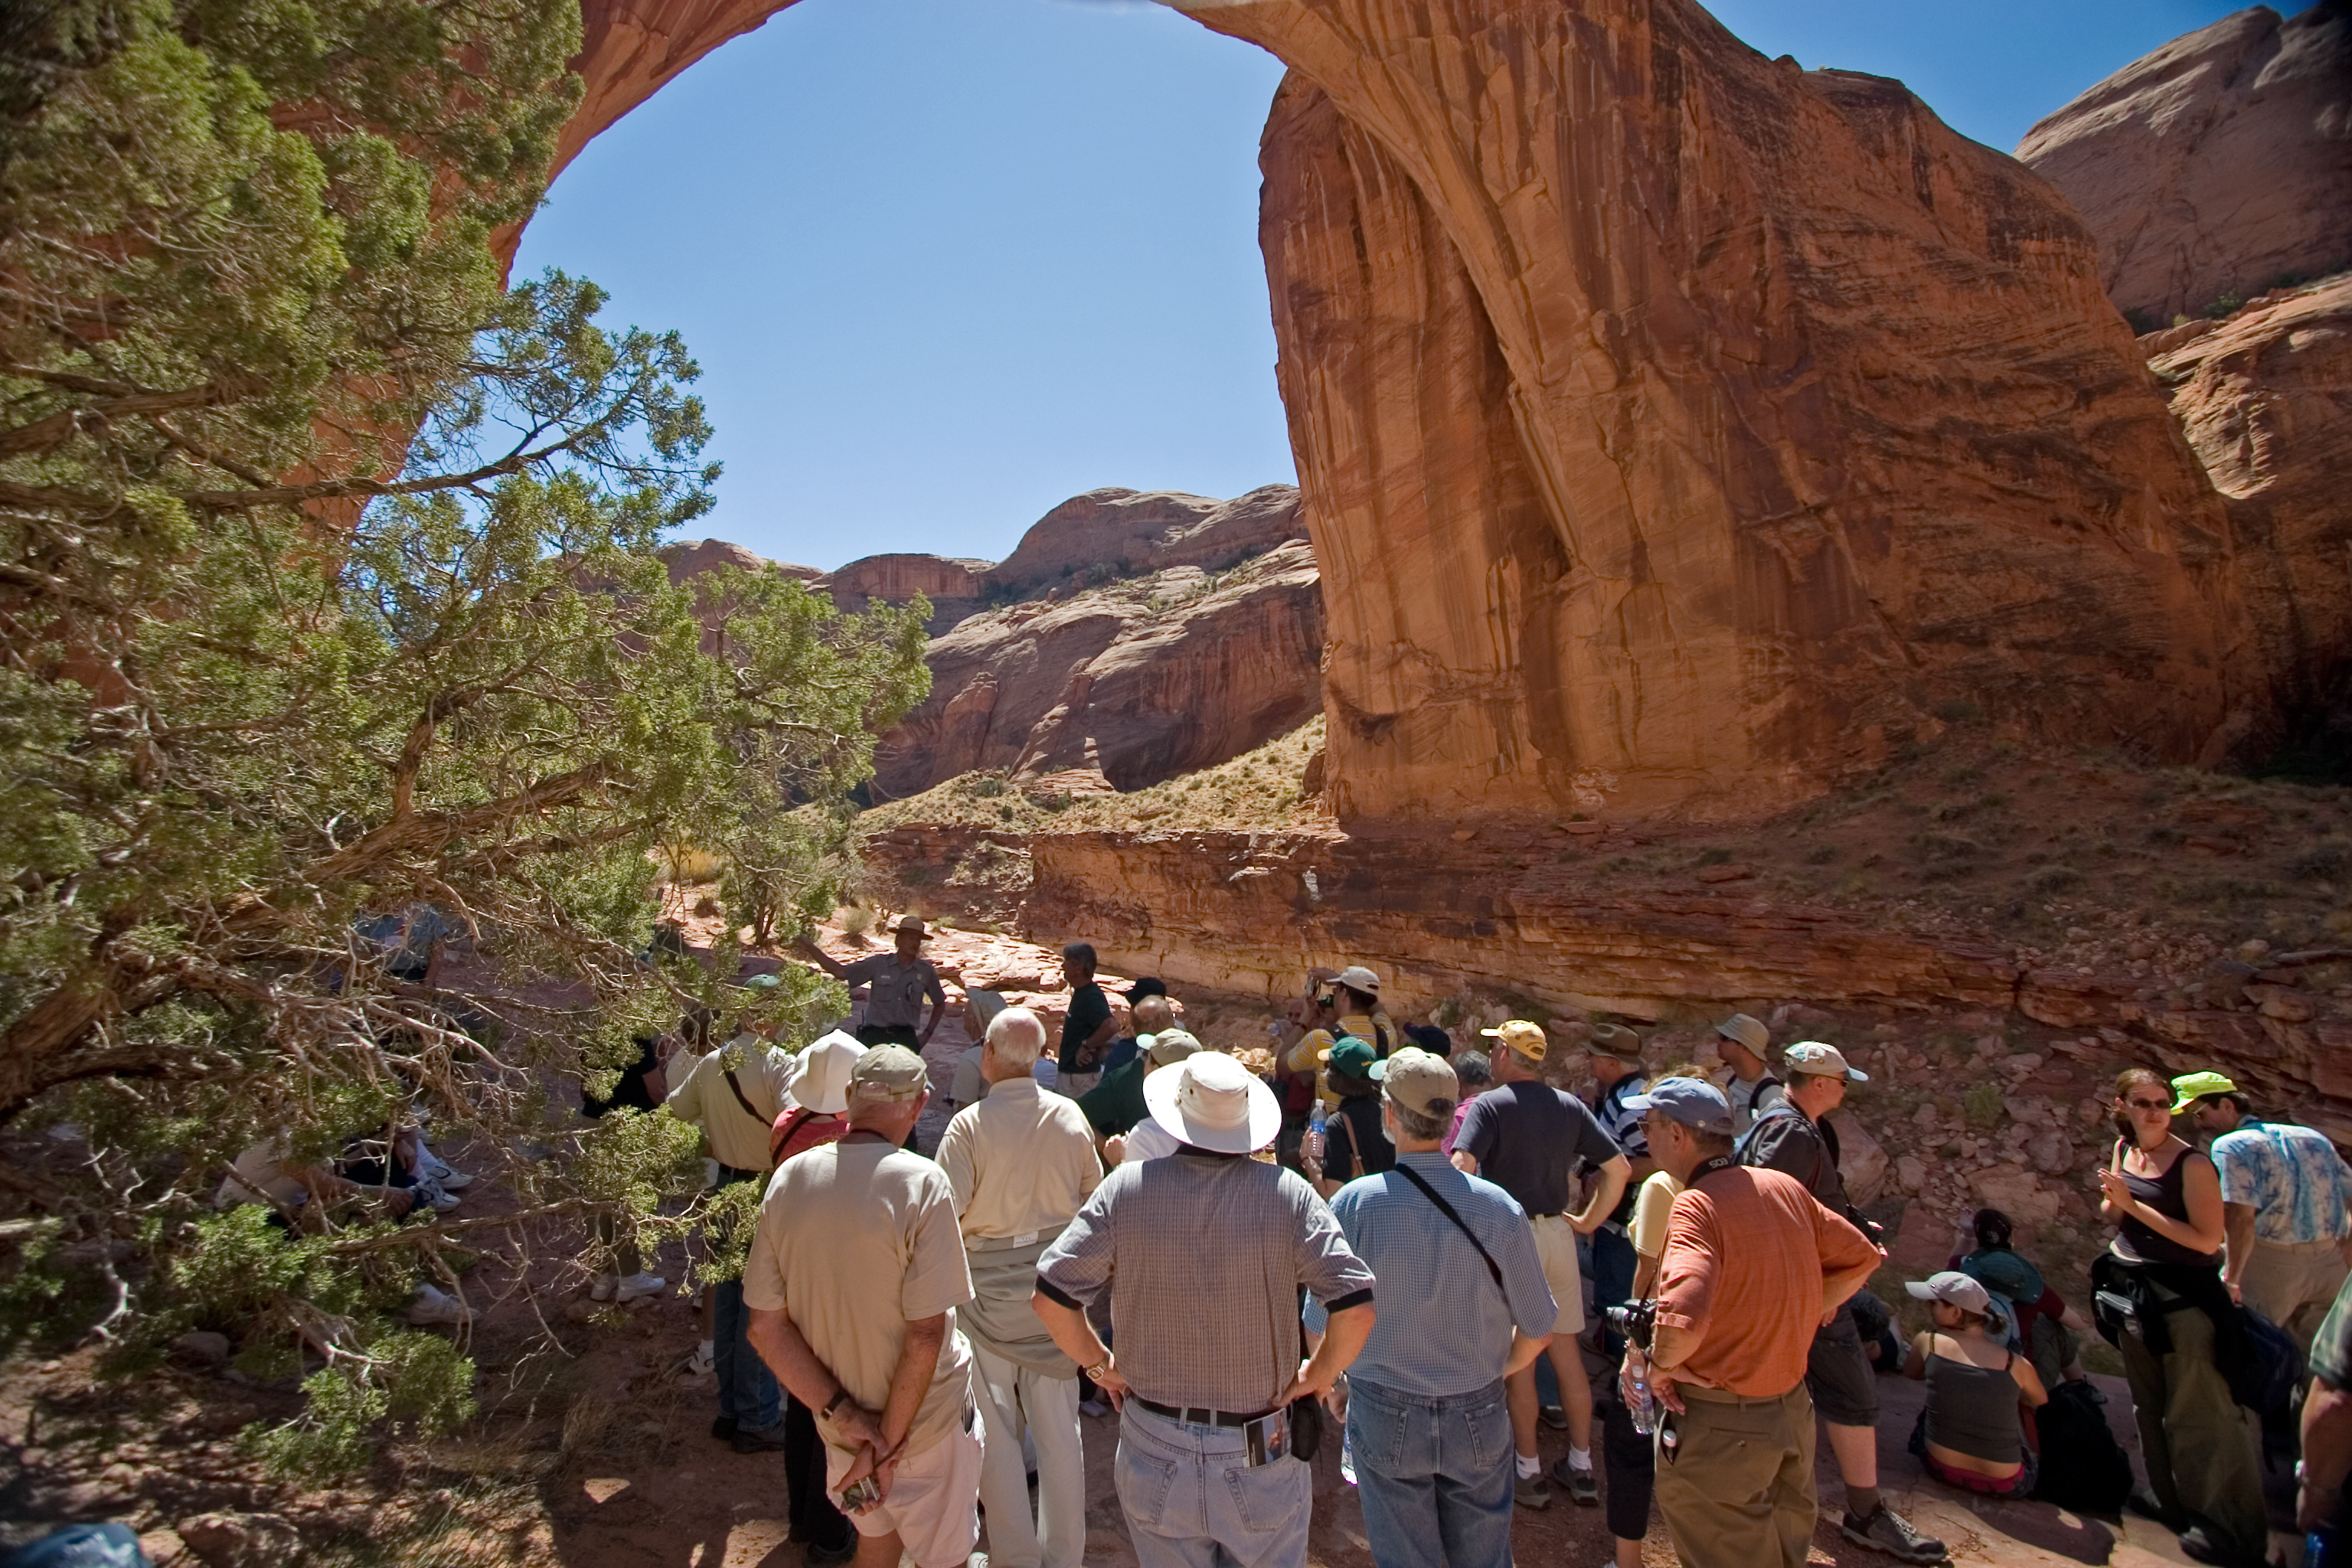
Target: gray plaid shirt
(1204,1255)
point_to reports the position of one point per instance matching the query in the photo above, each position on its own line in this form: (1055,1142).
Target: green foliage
(1982,1106)
(329,587)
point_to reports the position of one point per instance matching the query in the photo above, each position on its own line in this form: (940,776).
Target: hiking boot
(832,1557)
(1529,1492)
(1581,1489)
(758,1440)
(2147,1505)
(435,1306)
(1553,1416)
(723,1428)
(1890,1533)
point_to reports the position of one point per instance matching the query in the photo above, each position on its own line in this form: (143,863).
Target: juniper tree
(327,587)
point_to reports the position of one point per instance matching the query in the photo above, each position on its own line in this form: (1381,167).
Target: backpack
(2084,1469)
(2266,1380)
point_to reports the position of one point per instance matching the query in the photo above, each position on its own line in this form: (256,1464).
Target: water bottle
(1347,1455)
(1644,1408)
(1312,1147)
(2318,1550)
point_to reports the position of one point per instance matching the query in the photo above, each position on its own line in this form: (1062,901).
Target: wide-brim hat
(1211,1101)
(820,1081)
(1614,1040)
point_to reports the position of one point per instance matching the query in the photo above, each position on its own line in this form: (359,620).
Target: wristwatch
(840,1397)
(1095,1372)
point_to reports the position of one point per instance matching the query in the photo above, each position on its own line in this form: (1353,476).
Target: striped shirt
(2291,1176)
(1443,1328)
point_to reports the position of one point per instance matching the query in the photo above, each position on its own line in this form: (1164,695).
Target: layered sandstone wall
(1682,428)
(2215,163)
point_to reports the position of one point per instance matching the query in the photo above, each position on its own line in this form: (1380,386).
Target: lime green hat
(2190,1088)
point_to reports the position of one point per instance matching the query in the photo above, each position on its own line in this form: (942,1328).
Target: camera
(1634,1320)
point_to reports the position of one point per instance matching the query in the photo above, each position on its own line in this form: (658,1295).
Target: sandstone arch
(1679,428)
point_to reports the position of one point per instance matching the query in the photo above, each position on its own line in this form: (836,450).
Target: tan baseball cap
(1816,1059)
(1741,1029)
(1421,1082)
(1169,1046)
(1615,1040)
(887,1072)
(1522,1036)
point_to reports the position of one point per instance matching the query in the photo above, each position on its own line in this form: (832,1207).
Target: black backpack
(2084,1469)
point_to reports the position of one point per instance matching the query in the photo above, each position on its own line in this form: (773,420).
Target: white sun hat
(1211,1101)
(820,1081)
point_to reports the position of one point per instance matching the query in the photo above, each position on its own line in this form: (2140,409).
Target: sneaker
(428,1163)
(1553,1416)
(1094,1407)
(425,1189)
(434,1305)
(1581,1489)
(758,1440)
(1529,1492)
(2200,1547)
(2146,1504)
(723,1428)
(637,1285)
(703,1362)
(601,1290)
(1890,1533)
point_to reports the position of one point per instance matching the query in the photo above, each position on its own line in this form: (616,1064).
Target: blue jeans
(1193,1500)
(746,1389)
(1435,1476)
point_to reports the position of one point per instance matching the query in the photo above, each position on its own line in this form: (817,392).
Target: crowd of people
(1359,1235)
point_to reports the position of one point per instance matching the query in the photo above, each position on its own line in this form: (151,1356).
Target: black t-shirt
(631,1091)
(1088,1008)
(1355,1133)
(1526,1138)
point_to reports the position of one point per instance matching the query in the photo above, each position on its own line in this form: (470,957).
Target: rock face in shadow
(2266,400)
(1136,680)
(2215,164)
(1681,429)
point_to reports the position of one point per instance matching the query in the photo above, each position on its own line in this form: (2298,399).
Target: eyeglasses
(2149,1104)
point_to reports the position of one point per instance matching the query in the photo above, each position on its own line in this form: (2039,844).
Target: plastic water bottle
(1347,1455)
(1644,1408)
(1312,1148)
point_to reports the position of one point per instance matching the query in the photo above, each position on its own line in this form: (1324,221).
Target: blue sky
(948,262)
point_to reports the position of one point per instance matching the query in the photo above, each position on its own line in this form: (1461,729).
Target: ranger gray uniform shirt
(1204,1255)
(895,991)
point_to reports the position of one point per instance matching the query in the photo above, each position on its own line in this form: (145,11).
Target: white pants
(934,1502)
(1017,1401)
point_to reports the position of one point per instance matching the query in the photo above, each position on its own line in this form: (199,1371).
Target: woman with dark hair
(2039,1325)
(1354,1141)
(2164,1199)
(1476,1076)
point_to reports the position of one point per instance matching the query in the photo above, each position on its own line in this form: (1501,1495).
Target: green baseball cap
(1356,1059)
(2190,1088)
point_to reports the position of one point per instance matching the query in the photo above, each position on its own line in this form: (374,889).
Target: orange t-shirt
(1747,1251)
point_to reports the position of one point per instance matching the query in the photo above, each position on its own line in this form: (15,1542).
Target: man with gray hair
(856,1273)
(1020,1163)
(1465,1304)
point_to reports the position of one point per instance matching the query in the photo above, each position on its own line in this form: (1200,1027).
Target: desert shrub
(2323,862)
(2050,880)
(1715,856)
(1982,1106)
(1821,855)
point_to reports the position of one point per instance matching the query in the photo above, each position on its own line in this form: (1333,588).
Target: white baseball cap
(1819,1060)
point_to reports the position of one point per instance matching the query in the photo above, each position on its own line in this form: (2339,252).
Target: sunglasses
(2149,1104)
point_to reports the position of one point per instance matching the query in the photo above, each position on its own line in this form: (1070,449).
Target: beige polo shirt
(855,1242)
(738,1138)
(1020,1160)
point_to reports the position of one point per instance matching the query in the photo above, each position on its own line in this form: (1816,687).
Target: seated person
(267,1175)
(1130,1045)
(1880,1342)
(1969,1434)
(2040,1324)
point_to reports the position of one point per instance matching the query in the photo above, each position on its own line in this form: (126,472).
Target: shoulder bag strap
(790,1122)
(744,1100)
(1493,1269)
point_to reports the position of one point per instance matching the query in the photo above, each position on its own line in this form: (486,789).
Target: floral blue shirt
(2292,1177)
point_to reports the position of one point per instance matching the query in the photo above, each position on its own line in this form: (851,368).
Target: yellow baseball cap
(1522,1036)
(2190,1088)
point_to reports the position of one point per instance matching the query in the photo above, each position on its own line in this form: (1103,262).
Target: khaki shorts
(1555,1249)
(934,1501)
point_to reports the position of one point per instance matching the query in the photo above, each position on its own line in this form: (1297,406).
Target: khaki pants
(2292,1284)
(1739,1493)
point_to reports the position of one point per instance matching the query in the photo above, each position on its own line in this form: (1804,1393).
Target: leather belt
(1194,1416)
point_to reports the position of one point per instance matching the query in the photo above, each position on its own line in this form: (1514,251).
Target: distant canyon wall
(1681,430)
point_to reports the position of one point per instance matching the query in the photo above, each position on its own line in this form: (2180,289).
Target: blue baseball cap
(1696,1104)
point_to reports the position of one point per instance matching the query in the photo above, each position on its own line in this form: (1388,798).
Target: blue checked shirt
(2292,1177)
(1443,1328)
